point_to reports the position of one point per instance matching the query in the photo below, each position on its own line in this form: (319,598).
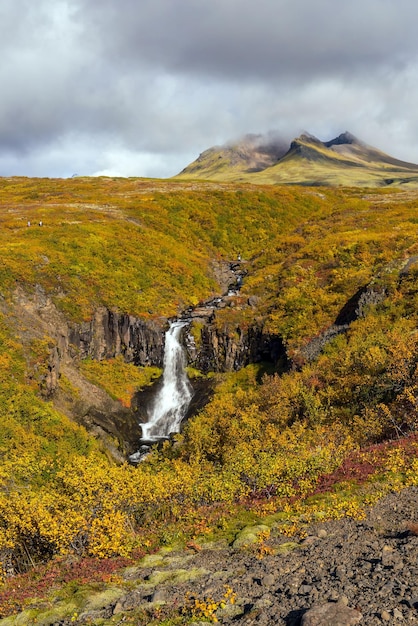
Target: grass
(140,247)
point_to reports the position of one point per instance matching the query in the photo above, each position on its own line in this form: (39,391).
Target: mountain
(344,160)
(252,153)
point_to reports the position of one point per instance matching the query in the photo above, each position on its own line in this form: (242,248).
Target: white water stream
(172,400)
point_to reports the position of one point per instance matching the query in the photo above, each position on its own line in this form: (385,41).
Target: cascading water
(173,398)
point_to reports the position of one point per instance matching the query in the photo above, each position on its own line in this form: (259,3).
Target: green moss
(62,611)
(284,548)
(249,535)
(103,599)
(152,560)
(175,577)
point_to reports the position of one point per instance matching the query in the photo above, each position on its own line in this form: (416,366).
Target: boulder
(331,614)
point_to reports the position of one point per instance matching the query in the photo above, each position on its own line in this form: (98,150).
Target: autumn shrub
(264,443)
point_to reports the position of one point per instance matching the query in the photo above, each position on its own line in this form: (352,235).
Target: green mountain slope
(342,161)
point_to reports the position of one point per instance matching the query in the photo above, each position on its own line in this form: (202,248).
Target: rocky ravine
(211,347)
(110,333)
(344,572)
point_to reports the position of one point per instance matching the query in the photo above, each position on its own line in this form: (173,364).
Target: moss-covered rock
(176,576)
(249,536)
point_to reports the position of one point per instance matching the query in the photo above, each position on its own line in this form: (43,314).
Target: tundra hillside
(315,429)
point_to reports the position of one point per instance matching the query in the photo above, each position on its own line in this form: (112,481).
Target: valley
(298,314)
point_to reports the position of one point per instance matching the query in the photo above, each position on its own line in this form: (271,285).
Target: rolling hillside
(310,365)
(344,160)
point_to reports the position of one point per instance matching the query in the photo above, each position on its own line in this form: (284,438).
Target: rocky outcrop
(355,308)
(358,304)
(110,333)
(216,347)
(229,349)
(335,613)
(212,345)
(50,382)
(105,418)
(106,335)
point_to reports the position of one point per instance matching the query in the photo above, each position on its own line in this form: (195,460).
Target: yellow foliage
(306,254)
(197,608)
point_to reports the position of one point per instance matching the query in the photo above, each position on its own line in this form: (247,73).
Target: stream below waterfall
(173,398)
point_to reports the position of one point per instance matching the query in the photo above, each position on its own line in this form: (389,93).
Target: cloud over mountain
(144,87)
(344,160)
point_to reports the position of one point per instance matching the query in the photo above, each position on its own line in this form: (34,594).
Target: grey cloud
(255,40)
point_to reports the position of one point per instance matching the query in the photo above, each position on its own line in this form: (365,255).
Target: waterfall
(173,398)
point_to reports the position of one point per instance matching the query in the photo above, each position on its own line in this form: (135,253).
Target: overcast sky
(141,87)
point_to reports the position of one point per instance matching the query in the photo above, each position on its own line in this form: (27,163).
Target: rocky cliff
(211,345)
(110,333)
(215,348)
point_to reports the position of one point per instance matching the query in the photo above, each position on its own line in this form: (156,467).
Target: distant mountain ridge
(267,159)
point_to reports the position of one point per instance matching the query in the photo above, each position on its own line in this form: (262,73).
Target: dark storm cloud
(235,39)
(142,86)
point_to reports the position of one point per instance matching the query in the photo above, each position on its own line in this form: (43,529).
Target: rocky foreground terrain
(343,572)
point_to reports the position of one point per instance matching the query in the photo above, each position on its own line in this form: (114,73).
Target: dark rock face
(355,308)
(314,348)
(344,138)
(202,393)
(53,373)
(226,350)
(109,334)
(116,426)
(357,305)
